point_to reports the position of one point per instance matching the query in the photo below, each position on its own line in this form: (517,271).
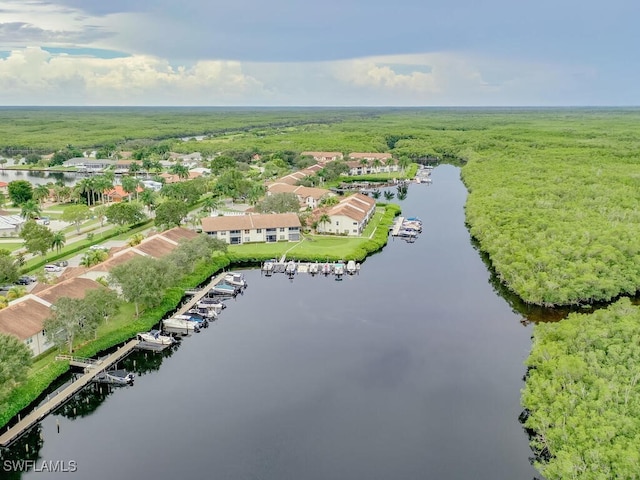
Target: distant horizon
(329,107)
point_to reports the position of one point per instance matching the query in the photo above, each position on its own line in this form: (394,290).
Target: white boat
(211,304)
(223,288)
(156,338)
(338,269)
(314,268)
(291,267)
(269,265)
(407,232)
(326,269)
(208,313)
(351,267)
(235,279)
(115,377)
(180,324)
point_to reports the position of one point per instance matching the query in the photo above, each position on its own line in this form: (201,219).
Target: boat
(208,313)
(291,267)
(115,377)
(223,288)
(235,279)
(155,337)
(211,304)
(314,268)
(194,317)
(180,324)
(412,225)
(413,219)
(269,265)
(351,267)
(326,269)
(338,269)
(408,232)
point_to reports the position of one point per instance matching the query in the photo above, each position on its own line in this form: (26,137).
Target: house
(366,163)
(239,229)
(24,319)
(295,177)
(4,188)
(123,166)
(151,185)
(307,196)
(117,194)
(173,178)
(323,157)
(90,165)
(349,217)
(10,224)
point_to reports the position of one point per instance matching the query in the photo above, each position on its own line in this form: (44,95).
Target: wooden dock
(65,394)
(397,226)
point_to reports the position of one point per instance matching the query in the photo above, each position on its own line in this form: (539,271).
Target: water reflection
(14,460)
(40,177)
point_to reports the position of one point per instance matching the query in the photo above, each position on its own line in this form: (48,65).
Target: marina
(99,369)
(292,267)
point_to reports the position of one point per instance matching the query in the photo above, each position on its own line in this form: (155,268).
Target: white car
(52,268)
(98,247)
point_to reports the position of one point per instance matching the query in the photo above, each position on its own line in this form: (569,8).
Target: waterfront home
(295,177)
(118,194)
(349,217)
(24,319)
(367,163)
(90,165)
(239,229)
(323,157)
(307,196)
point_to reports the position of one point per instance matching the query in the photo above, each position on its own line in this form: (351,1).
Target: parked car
(98,247)
(26,280)
(52,268)
(61,263)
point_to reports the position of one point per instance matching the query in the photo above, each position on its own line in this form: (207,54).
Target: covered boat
(155,337)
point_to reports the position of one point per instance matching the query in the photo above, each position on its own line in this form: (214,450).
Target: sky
(328,53)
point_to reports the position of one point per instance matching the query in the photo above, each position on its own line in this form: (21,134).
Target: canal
(410,370)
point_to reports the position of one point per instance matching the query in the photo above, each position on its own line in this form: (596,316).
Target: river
(410,370)
(39,177)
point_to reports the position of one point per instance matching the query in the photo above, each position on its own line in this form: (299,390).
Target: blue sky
(349,52)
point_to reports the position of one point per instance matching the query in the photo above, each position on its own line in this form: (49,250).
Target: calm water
(410,370)
(38,178)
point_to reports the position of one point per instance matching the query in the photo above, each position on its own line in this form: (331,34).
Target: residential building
(367,163)
(10,224)
(323,157)
(349,217)
(307,196)
(239,229)
(117,194)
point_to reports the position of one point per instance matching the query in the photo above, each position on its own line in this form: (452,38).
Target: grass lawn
(11,246)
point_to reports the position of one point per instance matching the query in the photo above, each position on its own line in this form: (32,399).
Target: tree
(30,209)
(15,360)
(37,238)
(388,195)
(58,240)
(376,194)
(329,201)
(184,191)
(130,185)
(171,213)
(3,162)
(221,163)
(70,318)
(148,198)
(279,203)
(143,280)
(180,170)
(256,191)
(101,213)
(9,268)
(135,239)
(20,191)
(41,193)
(211,204)
(324,219)
(32,159)
(76,214)
(103,301)
(93,257)
(125,213)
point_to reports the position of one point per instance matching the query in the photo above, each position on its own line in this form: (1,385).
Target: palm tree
(377,164)
(30,209)
(376,194)
(255,193)
(103,183)
(86,187)
(212,203)
(130,185)
(324,219)
(135,239)
(148,199)
(404,162)
(40,193)
(388,195)
(134,168)
(180,170)
(57,241)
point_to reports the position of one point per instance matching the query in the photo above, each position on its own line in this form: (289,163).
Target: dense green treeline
(583,395)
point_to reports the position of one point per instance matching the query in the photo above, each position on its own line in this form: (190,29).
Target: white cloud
(33,76)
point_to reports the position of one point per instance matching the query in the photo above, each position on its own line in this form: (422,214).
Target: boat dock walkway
(196,295)
(397,225)
(91,370)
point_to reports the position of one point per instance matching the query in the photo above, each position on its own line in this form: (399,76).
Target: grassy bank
(121,328)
